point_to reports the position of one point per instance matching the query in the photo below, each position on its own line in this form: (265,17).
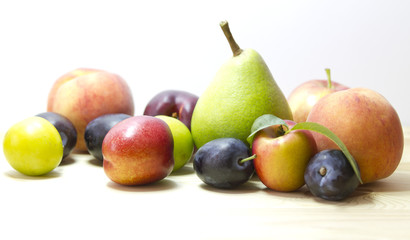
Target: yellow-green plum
(183,142)
(33,146)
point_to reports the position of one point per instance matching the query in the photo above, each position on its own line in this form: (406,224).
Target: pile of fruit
(325,135)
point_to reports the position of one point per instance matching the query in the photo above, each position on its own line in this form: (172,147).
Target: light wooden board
(77,201)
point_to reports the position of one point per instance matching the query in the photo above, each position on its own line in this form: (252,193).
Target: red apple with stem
(282,156)
(282,150)
(138,150)
(305,96)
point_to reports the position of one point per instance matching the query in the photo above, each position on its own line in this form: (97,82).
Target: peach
(367,124)
(85,94)
(65,78)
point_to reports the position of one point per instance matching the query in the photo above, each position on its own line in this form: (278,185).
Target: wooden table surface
(77,201)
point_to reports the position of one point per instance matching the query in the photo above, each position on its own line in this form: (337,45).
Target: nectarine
(138,150)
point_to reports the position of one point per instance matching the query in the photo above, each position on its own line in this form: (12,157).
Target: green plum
(33,146)
(183,142)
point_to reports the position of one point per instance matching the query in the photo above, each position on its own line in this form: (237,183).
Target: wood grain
(77,197)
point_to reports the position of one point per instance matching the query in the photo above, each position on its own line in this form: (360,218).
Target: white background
(159,45)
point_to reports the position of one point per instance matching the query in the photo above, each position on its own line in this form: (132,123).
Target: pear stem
(247,159)
(236,50)
(329,81)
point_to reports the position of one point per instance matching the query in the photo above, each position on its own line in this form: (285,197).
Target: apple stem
(329,81)
(247,159)
(282,131)
(236,50)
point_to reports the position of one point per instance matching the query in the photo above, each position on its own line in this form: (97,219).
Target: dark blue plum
(66,129)
(96,130)
(330,176)
(217,163)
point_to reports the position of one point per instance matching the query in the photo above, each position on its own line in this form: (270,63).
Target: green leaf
(262,122)
(325,131)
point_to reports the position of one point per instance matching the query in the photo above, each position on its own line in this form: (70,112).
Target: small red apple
(282,156)
(138,150)
(368,125)
(173,103)
(305,96)
(85,94)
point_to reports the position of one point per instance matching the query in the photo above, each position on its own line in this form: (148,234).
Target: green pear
(242,90)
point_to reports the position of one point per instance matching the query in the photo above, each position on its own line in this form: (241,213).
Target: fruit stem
(282,131)
(174,115)
(329,81)
(322,171)
(247,159)
(236,50)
